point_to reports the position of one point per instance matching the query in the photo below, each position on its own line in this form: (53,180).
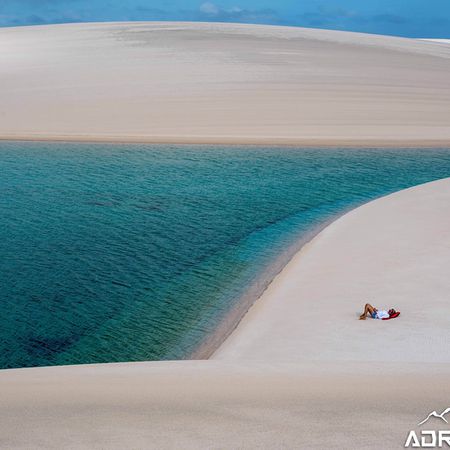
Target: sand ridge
(222,83)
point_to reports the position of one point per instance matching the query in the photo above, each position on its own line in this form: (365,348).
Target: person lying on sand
(378,313)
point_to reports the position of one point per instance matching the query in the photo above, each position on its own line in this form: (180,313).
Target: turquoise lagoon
(136,252)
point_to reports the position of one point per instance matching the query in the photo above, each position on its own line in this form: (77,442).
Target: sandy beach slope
(300,371)
(222,83)
(392,252)
(217,405)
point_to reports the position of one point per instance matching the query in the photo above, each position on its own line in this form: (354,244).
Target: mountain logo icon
(436,414)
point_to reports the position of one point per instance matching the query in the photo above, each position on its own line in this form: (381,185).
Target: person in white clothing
(374,313)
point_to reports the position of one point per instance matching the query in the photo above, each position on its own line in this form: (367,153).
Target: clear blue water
(135,252)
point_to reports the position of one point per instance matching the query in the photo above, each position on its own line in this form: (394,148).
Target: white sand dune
(218,405)
(222,83)
(440,41)
(300,371)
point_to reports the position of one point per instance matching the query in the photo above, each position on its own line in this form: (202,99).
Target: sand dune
(211,404)
(222,83)
(300,371)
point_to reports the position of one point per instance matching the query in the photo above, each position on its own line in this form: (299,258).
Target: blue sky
(413,18)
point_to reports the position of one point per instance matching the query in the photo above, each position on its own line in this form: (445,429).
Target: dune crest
(222,83)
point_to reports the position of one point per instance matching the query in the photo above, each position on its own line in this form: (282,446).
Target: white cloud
(209,8)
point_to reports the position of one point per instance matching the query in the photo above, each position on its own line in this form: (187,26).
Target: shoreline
(239,141)
(228,324)
(295,252)
(337,252)
(252,294)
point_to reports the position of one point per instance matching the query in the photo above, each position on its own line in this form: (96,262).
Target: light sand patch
(222,83)
(211,404)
